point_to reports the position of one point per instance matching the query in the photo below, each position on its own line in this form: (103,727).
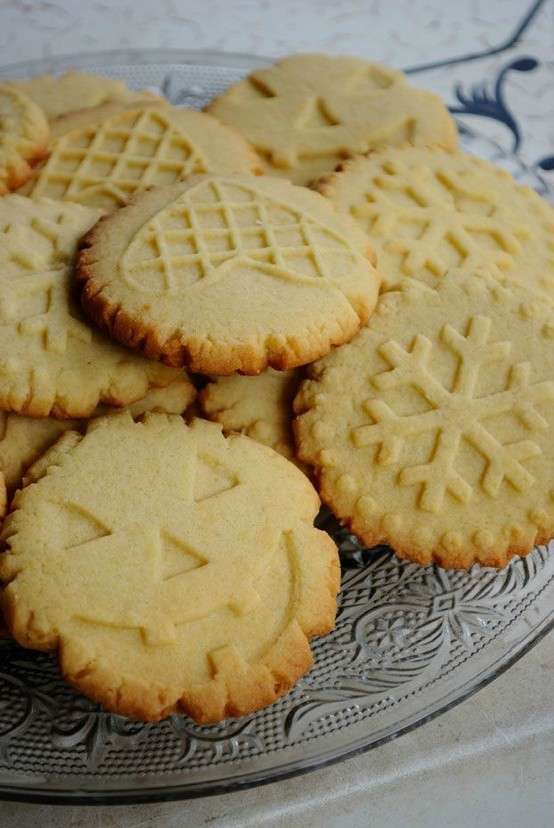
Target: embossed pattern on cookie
(307,113)
(427,211)
(39,235)
(225,221)
(444,450)
(23,138)
(208,579)
(102,164)
(52,361)
(169,274)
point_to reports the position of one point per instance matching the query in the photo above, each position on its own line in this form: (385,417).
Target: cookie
(3,508)
(307,113)
(432,431)
(52,362)
(172,568)
(94,115)
(24,439)
(174,398)
(23,138)
(75,90)
(224,274)
(260,407)
(103,163)
(427,211)
(39,235)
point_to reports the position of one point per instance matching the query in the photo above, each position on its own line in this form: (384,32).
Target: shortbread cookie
(51,361)
(308,112)
(23,138)
(94,115)
(427,211)
(75,90)
(432,431)
(174,569)
(24,439)
(39,235)
(174,398)
(228,274)
(260,407)
(103,163)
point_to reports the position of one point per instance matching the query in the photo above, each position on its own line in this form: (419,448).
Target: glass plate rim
(291,770)
(148,56)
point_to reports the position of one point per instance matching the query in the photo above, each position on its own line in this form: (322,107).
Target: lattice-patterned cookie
(172,568)
(51,362)
(103,163)
(23,138)
(94,115)
(24,439)
(427,211)
(75,90)
(228,274)
(260,407)
(432,431)
(308,112)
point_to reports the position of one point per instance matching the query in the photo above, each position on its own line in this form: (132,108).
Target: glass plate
(410,642)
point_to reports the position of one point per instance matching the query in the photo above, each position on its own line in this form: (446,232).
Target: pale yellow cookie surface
(74,90)
(102,163)
(427,211)
(24,439)
(172,568)
(39,235)
(225,274)
(174,398)
(94,115)
(52,361)
(432,431)
(260,407)
(308,112)
(23,138)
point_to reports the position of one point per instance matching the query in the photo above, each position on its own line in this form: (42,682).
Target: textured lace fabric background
(490,760)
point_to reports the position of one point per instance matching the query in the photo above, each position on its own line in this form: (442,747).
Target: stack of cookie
(173,561)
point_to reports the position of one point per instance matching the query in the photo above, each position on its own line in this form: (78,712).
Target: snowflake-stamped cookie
(427,211)
(224,274)
(51,361)
(23,138)
(306,113)
(442,446)
(171,567)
